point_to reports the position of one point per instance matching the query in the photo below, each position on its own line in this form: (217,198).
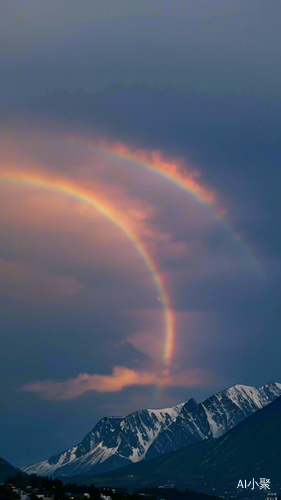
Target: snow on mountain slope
(144,434)
(104,430)
(212,418)
(114,442)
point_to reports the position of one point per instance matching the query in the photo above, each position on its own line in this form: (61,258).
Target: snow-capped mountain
(250,449)
(144,434)
(213,417)
(114,442)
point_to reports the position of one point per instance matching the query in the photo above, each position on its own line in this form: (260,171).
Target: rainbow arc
(65,188)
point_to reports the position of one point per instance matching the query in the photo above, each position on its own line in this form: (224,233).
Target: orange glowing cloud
(175,170)
(120,378)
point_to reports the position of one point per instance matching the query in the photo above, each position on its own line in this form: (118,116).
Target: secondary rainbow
(153,161)
(174,171)
(64,187)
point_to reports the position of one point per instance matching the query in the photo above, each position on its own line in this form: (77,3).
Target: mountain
(213,417)
(252,449)
(114,442)
(6,470)
(117,441)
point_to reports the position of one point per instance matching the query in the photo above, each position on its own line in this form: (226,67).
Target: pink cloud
(120,378)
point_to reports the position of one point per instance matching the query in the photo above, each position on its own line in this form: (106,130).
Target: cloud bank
(120,378)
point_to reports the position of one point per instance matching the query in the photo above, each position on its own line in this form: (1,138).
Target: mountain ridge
(250,449)
(144,434)
(6,469)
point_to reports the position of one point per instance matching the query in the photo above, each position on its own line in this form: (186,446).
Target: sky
(139,210)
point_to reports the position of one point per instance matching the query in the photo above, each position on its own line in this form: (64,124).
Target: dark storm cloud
(197,79)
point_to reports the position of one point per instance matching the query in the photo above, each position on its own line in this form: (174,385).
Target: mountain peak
(144,434)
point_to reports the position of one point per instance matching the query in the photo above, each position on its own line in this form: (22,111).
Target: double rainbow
(153,162)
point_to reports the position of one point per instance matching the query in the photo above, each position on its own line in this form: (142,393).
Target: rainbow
(153,161)
(172,170)
(78,193)
(175,172)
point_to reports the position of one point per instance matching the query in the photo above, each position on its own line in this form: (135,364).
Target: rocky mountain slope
(117,441)
(6,470)
(249,450)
